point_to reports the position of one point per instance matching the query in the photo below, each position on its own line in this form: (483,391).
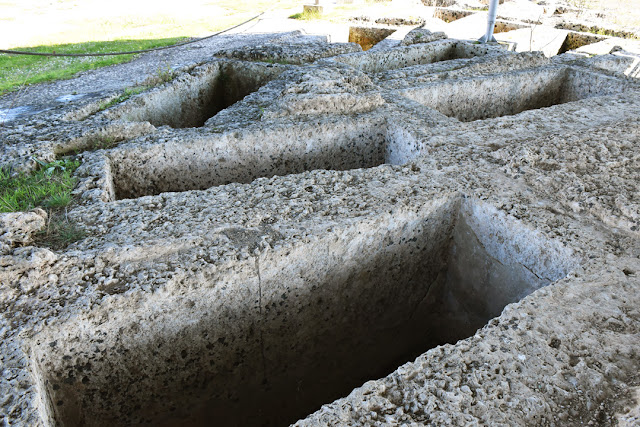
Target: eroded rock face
(436,233)
(18,228)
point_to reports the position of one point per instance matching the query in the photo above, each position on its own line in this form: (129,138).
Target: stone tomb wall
(270,342)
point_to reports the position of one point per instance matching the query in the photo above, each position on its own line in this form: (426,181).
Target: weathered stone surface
(292,53)
(18,228)
(439,233)
(422,35)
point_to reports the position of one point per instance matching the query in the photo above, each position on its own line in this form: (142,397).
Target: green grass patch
(307,15)
(48,187)
(128,30)
(18,70)
(101,142)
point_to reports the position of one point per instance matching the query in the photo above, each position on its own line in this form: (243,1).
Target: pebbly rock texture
(438,233)
(422,35)
(17,228)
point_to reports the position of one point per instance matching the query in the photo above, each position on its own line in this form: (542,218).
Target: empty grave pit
(415,54)
(450,15)
(194,97)
(574,41)
(367,37)
(479,98)
(502,26)
(271,339)
(240,157)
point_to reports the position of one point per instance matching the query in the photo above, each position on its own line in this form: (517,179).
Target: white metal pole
(491,22)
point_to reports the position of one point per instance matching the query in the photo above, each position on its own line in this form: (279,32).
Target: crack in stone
(262,353)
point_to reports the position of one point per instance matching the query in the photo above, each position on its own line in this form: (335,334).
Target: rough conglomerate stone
(465,216)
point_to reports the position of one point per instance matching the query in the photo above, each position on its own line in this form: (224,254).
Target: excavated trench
(269,342)
(450,15)
(416,54)
(493,96)
(206,159)
(218,159)
(192,99)
(367,37)
(577,40)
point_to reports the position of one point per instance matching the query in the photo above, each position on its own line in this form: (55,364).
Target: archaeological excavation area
(430,231)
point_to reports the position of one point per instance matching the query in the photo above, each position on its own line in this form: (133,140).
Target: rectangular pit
(367,37)
(269,340)
(191,99)
(574,41)
(502,26)
(218,159)
(416,54)
(484,97)
(450,15)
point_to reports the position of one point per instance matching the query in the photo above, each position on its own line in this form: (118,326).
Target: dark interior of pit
(231,86)
(435,285)
(575,40)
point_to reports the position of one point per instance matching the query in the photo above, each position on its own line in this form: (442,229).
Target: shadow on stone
(193,98)
(269,343)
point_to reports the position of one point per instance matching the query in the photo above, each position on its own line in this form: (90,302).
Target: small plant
(50,168)
(162,75)
(59,233)
(165,74)
(101,142)
(579,4)
(307,15)
(126,94)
